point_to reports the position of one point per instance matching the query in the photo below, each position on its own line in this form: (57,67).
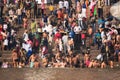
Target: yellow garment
(51,8)
(33,27)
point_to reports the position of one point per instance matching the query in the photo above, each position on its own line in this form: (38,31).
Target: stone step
(6,55)
(7,59)
(5,52)
(94,50)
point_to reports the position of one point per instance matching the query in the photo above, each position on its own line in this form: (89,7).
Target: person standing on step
(77,37)
(100,8)
(15,58)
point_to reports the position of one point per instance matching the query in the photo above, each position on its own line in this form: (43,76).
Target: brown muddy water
(59,74)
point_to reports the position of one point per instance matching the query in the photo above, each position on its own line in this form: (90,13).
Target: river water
(60,74)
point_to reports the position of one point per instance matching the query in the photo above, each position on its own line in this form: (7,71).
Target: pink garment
(42,5)
(29,42)
(93,9)
(83,36)
(92,4)
(57,36)
(87,63)
(5,1)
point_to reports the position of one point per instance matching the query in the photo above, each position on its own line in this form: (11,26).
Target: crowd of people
(59,35)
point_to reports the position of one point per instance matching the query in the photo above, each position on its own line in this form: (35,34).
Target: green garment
(95,11)
(32,5)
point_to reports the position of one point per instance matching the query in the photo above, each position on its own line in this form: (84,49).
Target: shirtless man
(94,64)
(63,63)
(45,62)
(14,58)
(103,65)
(58,56)
(36,64)
(90,32)
(70,44)
(32,60)
(75,61)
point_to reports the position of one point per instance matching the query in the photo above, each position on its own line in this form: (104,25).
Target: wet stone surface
(59,74)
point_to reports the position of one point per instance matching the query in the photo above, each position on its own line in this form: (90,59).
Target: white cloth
(5,42)
(25,37)
(65,39)
(108,36)
(49,28)
(115,31)
(102,35)
(60,45)
(4,65)
(80,16)
(66,4)
(61,4)
(77,29)
(27,47)
(84,12)
(44,28)
(99,57)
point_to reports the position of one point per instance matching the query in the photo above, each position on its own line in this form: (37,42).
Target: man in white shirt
(61,4)
(27,46)
(80,17)
(65,42)
(25,36)
(77,29)
(66,4)
(77,37)
(49,30)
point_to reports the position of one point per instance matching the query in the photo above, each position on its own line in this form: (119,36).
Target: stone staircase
(6,55)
